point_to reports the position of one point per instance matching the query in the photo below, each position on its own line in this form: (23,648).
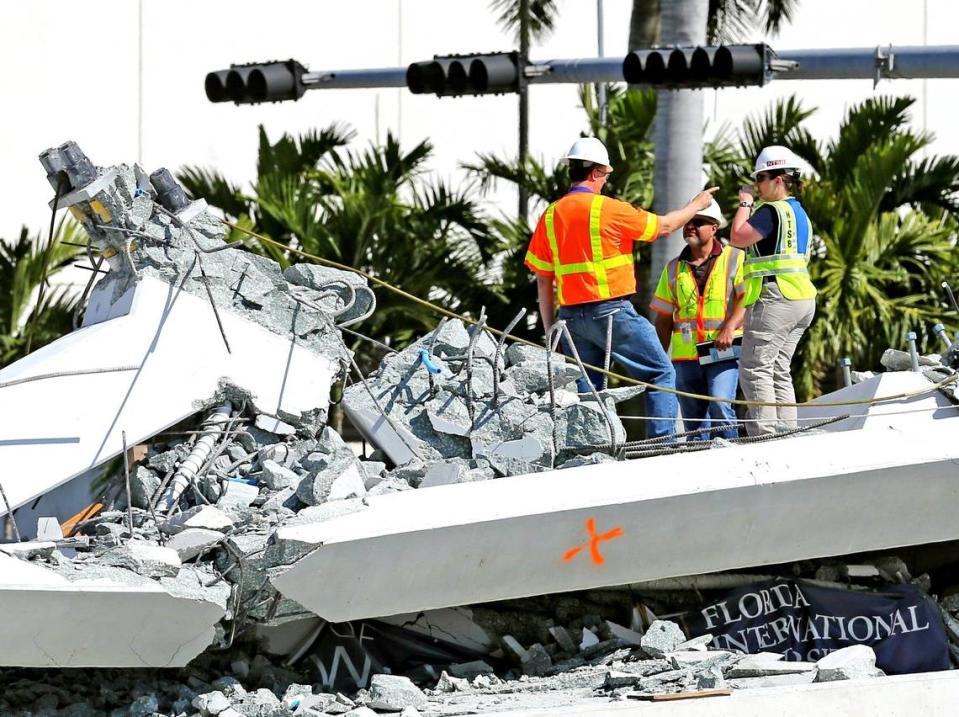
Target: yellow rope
(625,379)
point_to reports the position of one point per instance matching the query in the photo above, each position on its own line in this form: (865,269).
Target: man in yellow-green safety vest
(699,300)
(780,297)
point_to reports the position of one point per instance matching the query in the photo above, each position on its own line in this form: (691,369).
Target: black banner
(806,622)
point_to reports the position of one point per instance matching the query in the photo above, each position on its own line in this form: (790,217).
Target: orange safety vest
(585,241)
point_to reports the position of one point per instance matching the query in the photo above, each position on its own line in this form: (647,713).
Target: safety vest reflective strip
(775,264)
(783,263)
(554,248)
(700,326)
(597,267)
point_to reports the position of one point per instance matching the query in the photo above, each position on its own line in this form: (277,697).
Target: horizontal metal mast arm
(891,62)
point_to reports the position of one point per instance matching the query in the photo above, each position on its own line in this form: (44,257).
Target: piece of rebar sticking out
(170,194)
(185,473)
(943,335)
(846,365)
(913,351)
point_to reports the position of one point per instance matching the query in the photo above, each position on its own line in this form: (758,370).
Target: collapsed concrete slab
(51,621)
(172,345)
(611,524)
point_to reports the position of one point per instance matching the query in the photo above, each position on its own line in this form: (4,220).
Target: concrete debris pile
(145,225)
(460,408)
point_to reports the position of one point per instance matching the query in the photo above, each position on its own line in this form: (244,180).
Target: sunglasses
(763,176)
(700,222)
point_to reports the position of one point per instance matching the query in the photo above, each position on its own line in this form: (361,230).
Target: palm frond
(541,20)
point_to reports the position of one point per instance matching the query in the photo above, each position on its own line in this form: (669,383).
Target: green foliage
(884,223)
(541,18)
(21,272)
(374,209)
(732,21)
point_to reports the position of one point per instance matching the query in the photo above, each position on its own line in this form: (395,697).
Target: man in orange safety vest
(582,253)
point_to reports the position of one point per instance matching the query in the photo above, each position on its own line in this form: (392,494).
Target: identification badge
(687,334)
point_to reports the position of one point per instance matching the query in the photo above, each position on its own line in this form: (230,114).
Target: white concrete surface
(49,621)
(767,503)
(930,693)
(56,428)
(916,411)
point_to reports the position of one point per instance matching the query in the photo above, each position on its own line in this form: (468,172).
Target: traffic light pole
(867,63)
(522,212)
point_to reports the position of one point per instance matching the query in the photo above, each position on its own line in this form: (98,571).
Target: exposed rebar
(10,518)
(499,352)
(126,476)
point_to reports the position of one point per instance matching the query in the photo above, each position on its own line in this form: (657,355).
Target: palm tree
(885,222)
(529,19)
(22,269)
(372,209)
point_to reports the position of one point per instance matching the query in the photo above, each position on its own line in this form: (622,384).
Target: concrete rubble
(181,571)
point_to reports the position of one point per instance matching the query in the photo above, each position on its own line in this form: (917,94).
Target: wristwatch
(748,205)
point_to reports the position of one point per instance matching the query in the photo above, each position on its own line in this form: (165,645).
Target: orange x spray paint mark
(593,543)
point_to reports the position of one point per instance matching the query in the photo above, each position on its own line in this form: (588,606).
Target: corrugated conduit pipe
(187,470)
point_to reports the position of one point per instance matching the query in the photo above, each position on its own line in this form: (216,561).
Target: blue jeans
(716,379)
(635,347)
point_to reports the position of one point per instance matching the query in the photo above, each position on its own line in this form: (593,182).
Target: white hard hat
(589,149)
(776,157)
(712,212)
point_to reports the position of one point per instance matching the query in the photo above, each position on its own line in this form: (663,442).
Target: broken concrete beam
(511,528)
(100,618)
(149,335)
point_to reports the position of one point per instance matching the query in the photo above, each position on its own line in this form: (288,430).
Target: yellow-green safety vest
(698,317)
(787,264)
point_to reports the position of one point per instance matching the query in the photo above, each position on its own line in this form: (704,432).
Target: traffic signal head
(455,75)
(691,67)
(256,82)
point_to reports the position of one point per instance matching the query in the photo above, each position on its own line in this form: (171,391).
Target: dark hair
(579,170)
(792,182)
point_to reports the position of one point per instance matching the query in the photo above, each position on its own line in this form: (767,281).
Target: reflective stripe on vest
(598,266)
(790,268)
(697,317)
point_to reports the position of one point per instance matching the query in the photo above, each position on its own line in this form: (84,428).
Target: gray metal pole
(523,208)
(854,63)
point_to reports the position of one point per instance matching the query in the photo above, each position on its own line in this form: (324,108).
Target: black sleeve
(765,222)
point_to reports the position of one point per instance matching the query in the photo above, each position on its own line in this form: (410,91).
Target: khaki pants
(772,329)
